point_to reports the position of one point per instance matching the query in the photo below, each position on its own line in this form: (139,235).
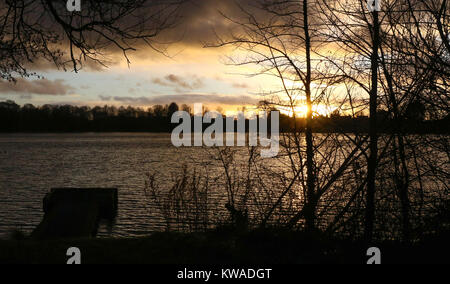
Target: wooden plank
(76,212)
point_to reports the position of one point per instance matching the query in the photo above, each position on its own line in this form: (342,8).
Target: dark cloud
(105,98)
(185,99)
(202,20)
(36,87)
(179,82)
(199,21)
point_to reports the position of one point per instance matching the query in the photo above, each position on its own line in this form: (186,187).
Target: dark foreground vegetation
(225,247)
(67,118)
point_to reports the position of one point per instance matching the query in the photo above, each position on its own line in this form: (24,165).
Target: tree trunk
(373,133)
(402,175)
(404,193)
(311,200)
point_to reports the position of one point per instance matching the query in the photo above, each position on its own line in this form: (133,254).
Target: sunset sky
(191,74)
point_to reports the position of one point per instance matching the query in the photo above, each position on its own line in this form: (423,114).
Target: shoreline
(219,247)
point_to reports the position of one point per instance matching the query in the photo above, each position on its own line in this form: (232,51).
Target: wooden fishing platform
(76,212)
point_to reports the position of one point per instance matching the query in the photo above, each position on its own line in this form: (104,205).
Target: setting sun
(301,111)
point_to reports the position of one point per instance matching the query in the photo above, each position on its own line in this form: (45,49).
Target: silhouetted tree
(158,111)
(32,31)
(186,108)
(173,108)
(281,39)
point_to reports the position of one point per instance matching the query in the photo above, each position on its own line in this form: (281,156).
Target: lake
(32,164)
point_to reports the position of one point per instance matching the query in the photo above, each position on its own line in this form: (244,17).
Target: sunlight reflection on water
(32,164)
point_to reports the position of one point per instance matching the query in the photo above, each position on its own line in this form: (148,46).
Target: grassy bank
(222,248)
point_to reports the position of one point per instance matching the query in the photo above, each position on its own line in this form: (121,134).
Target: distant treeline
(67,118)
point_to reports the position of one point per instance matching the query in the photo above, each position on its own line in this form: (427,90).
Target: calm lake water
(32,164)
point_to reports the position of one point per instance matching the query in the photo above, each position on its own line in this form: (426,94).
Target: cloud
(179,82)
(198,22)
(105,98)
(202,21)
(36,87)
(43,65)
(240,86)
(185,99)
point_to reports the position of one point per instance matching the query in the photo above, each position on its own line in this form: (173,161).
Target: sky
(189,74)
